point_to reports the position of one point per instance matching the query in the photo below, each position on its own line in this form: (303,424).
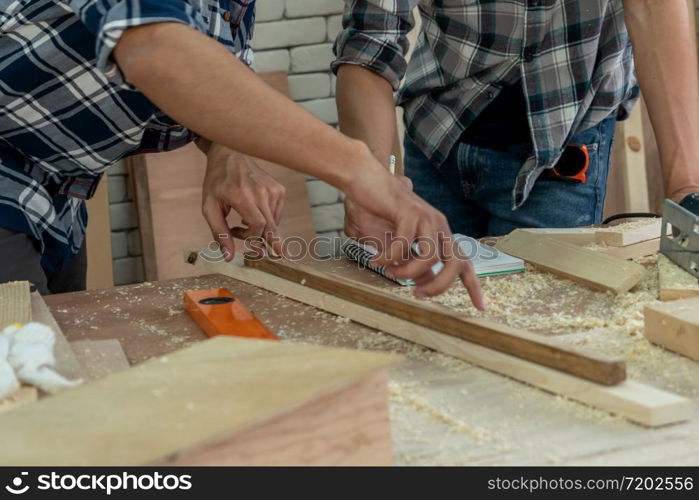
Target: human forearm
(666,62)
(200,84)
(366,109)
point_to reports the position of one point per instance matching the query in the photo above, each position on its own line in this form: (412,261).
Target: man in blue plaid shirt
(499,92)
(84,83)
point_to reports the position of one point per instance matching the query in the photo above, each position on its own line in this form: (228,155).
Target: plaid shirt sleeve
(108,19)
(374,36)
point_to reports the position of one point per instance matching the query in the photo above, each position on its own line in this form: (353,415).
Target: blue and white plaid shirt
(66,112)
(573,58)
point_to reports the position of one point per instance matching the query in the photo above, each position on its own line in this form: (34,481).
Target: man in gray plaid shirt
(507,101)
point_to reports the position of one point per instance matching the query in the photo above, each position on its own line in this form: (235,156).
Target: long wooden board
(487,333)
(620,237)
(588,267)
(185,406)
(635,401)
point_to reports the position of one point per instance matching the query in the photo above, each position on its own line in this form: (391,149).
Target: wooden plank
(503,338)
(67,363)
(14,303)
(100,357)
(635,251)
(637,402)
(99,239)
(674,325)
(169,408)
(596,270)
(575,235)
(629,233)
(168,189)
(633,164)
(674,282)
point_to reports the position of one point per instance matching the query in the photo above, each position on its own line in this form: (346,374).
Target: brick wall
(297,36)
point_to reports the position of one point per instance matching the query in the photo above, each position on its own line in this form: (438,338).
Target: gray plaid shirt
(573,58)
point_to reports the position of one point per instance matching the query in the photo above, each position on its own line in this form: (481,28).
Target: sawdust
(601,322)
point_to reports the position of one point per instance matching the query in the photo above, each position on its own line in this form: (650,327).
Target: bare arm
(366,109)
(665,53)
(221,99)
(199,83)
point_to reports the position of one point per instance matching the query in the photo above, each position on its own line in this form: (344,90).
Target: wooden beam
(633,165)
(191,407)
(637,402)
(635,251)
(674,325)
(588,267)
(674,282)
(575,235)
(523,344)
(629,234)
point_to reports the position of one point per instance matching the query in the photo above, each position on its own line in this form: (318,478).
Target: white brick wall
(297,36)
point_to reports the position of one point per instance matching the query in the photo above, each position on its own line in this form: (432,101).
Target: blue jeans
(473,188)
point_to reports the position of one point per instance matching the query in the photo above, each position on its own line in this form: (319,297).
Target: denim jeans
(473,188)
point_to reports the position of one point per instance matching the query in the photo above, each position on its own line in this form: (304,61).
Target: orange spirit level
(218,312)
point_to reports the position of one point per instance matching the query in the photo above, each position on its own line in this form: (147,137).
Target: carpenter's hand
(234,181)
(387,214)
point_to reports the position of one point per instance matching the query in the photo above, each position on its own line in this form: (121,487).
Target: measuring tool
(573,165)
(218,312)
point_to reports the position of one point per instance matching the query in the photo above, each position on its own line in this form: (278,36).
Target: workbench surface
(444,411)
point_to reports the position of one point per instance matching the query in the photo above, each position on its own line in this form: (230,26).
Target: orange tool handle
(574,164)
(218,312)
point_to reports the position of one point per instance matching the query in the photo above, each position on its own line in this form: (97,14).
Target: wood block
(675,326)
(67,363)
(14,303)
(488,333)
(674,282)
(637,402)
(629,233)
(100,357)
(634,251)
(188,407)
(576,235)
(596,270)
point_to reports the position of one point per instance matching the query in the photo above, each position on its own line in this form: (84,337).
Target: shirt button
(110,70)
(533,3)
(529,54)
(490,94)
(227,16)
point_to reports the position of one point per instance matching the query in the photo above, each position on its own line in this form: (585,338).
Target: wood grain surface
(487,333)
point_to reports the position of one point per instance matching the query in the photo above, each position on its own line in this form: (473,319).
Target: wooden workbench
(444,411)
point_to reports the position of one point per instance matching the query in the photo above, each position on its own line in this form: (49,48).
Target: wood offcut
(593,269)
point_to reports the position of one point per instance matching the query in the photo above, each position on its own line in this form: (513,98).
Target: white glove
(31,357)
